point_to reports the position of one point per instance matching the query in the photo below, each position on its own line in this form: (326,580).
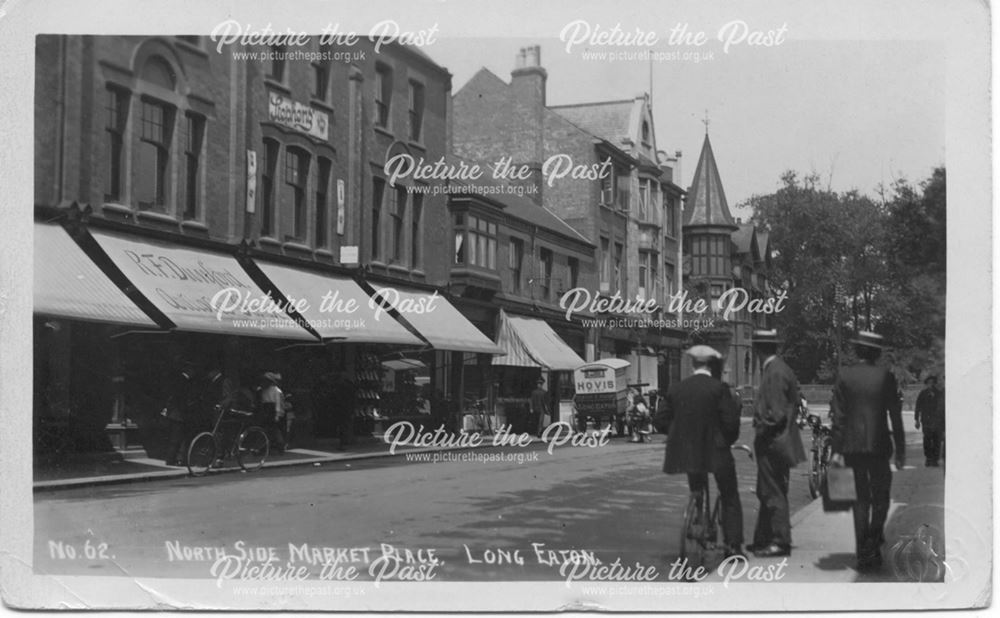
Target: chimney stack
(527,82)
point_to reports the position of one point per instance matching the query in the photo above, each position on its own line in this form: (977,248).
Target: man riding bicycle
(702,420)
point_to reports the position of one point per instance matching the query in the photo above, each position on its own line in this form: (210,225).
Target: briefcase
(837,487)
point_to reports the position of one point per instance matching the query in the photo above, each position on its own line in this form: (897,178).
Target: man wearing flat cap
(702,421)
(864,396)
(778,446)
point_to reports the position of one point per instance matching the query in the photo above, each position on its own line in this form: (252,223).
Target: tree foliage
(853,263)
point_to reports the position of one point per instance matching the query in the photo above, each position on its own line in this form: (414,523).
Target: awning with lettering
(437,320)
(530,342)
(336,307)
(199,290)
(68,284)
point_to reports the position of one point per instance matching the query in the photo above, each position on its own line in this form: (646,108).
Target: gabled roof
(706,201)
(610,120)
(745,239)
(763,238)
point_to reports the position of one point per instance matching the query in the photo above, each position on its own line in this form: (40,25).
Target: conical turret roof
(706,201)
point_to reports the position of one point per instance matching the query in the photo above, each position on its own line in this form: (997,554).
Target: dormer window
(645,132)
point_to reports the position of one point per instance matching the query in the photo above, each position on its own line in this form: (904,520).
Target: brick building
(629,214)
(178,173)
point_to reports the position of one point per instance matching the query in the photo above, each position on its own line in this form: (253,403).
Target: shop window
(322,201)
(194,138)
(545,272)
(383,95)
(152,160)
(397,210)
(515,262)
(296,175)
(321,79)
(378,193)
(416,110)
(268,170)
(115,117)
(276,63)
(416,220)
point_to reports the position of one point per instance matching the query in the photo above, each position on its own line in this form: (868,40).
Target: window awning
(182,282)
(68,284)
(437,320)
(530,342)
(337,306)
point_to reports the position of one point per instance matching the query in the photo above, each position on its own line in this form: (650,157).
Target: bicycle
(820,454)
(700,532)
(249,447)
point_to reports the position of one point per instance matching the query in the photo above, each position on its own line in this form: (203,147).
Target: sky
(859,113)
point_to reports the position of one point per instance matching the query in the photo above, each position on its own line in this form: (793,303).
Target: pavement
(823,547)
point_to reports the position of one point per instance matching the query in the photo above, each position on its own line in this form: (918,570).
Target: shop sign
(297,116)
(349,254)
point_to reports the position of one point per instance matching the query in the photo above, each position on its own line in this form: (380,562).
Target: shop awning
(437,320)
(337,306)
(530,342)
(68,284)
(404,364)
(198,290)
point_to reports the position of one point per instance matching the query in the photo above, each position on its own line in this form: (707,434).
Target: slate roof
(706,201)
(609,120)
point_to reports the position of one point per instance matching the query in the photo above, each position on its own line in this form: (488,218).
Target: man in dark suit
(778,447)
(862,398)
(930,412)
(702,421)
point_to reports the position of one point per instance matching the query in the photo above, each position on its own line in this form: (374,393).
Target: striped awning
(530,342)
(437,320)
(68,284)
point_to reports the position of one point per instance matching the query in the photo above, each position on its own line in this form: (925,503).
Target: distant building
(722,253)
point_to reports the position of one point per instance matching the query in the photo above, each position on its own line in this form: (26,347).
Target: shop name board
(588,384)
(297,116)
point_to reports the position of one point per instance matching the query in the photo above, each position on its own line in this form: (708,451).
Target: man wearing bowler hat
(701,422)
(778,447)
(863,396)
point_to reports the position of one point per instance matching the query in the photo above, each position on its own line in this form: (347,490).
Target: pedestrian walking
(272,409)
(540,415)
(702,422)
(930,413)
(863,397)
(778,446)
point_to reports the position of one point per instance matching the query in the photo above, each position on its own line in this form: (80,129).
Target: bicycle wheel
(252,448)
(693,531)
(201,453)
(815,476)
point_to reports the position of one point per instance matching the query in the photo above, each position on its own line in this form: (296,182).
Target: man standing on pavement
(778,447)
(930,412)
(701,422)
(862,398)
(539,406)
